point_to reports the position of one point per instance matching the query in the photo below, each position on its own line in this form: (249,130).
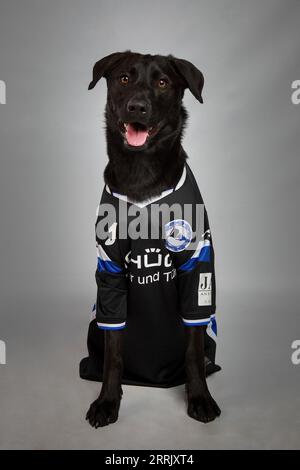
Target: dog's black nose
(138,107)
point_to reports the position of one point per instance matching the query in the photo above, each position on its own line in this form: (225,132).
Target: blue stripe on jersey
(204,255)
(207,321)
(214,325)
(108,266)
(102,327)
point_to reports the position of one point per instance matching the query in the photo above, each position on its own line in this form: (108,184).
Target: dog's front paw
(103,412)
(203,408)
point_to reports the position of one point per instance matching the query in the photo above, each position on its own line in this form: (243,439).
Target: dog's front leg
(201,405)
(105,409)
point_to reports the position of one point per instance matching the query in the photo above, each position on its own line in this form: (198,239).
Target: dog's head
(145,92)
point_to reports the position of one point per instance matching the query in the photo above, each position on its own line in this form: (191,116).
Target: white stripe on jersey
(203,321)
(154,199)
(200,245)
(102,254)
(111,325)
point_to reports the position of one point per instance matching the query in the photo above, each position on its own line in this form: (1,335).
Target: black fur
(105,409)
(141,173)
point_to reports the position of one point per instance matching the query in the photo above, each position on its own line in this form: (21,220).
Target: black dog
(145,120)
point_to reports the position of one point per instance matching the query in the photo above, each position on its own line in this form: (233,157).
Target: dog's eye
(162,83)
(124,79)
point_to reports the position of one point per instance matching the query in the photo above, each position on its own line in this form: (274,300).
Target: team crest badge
(178,234)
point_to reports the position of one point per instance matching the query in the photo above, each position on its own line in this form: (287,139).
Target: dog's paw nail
(102,413)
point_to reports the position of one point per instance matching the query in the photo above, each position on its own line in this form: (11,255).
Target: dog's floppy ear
(192,76)
(105,65)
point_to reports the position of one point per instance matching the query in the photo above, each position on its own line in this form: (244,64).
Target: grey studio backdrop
(243,144)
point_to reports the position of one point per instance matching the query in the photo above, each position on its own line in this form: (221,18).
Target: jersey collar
(154,199)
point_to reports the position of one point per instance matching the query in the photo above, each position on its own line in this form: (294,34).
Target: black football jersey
(155,277)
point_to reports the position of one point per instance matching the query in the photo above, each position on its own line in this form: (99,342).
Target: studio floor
(43,401)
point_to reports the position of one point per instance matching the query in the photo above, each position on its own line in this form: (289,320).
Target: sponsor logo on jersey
(178,235)
(204,290)
(112,234)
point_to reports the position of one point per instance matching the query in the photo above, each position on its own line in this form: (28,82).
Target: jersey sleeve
(111,280)
(196,282)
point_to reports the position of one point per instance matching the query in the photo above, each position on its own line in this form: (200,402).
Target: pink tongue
(135,137)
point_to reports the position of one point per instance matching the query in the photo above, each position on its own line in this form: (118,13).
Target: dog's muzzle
(137,134)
